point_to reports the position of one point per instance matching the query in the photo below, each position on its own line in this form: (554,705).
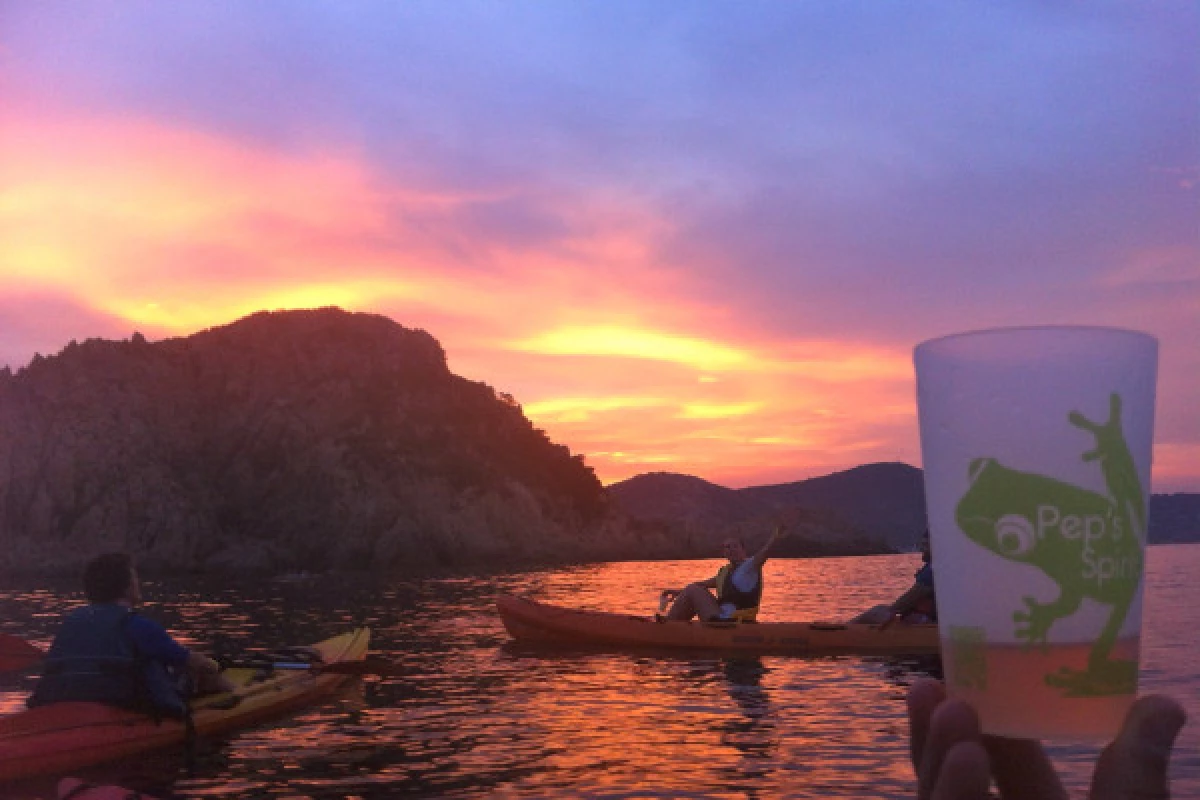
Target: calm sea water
(475,716)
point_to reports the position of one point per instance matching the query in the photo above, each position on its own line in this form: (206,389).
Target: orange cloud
(719,410)
(1175,466)
(632,343)
(180,231)
(763,420)
(723,404)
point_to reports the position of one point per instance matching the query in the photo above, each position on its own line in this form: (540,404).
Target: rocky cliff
(285,441)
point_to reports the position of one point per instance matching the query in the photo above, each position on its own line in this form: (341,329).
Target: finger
(923,697)
(1022,769)
(964,774)
(953,722)
(1135,764)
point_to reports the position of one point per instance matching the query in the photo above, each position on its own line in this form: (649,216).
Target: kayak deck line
(535,622)
(65,736)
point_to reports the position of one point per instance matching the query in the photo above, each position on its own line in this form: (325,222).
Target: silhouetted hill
(885,500)
(702,513)
(286,440)
(1174,518)
(679,498)
(881,502)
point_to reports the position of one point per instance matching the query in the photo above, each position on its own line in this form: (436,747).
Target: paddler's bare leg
(694,601)
(875,616)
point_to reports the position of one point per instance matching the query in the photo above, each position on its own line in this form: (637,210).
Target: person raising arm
(738,585)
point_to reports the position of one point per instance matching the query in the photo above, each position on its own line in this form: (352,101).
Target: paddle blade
(17,654)
(367,666)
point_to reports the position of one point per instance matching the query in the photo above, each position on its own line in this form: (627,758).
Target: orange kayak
(62,737)
(533,622)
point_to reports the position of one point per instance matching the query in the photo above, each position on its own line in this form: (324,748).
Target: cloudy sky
(696,237)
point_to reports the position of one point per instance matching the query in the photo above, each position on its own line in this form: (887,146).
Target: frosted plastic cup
(1036,445)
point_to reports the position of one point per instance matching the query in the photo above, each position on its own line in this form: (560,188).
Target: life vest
(745,604)
(926,605)
(94,660)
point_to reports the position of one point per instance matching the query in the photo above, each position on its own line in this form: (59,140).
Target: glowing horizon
(659,284)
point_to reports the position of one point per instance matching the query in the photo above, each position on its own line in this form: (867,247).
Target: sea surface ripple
(473,715)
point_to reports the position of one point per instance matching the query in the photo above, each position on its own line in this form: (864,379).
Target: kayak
(75,789)
(61,737)
(533,622)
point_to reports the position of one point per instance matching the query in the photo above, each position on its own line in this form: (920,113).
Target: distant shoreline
(152,576)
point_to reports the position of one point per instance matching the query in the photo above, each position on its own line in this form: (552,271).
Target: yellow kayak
(534,622)
(61,737)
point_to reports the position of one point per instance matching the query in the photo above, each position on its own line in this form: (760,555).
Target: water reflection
(473,715)
(754,733)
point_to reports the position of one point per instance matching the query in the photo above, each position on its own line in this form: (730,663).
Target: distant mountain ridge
(1175,518)
(882,502)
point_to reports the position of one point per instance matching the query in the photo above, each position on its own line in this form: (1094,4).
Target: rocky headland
(308,441)
(298,440)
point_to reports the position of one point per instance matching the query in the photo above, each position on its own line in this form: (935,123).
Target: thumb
(1135,764)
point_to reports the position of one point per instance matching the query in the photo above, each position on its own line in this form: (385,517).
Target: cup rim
(1013,329)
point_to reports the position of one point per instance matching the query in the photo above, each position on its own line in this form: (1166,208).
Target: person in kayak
(917,605)
(105,652)
(738,586)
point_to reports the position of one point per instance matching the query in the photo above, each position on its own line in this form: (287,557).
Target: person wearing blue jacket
(106,652)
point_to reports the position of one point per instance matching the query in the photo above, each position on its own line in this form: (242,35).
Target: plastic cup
(1036,445)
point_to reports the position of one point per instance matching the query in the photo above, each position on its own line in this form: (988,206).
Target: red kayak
(63,737)
(531,621)
(16,654)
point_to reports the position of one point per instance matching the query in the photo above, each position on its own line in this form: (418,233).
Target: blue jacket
(93,659)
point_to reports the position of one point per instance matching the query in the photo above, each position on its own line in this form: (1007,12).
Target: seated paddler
(917,605)
(106,652)
(738,586)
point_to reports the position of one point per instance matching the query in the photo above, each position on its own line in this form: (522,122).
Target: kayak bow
(534,622)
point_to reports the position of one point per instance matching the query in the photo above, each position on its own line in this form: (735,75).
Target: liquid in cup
(1036,445)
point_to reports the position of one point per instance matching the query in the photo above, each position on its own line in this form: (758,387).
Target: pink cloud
(570,301)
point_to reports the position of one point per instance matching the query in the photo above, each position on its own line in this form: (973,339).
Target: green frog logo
(1087,543)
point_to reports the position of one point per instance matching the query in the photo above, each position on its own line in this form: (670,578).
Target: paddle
(16,654)
(371,665)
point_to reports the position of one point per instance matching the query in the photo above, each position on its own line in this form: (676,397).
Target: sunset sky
(692,237)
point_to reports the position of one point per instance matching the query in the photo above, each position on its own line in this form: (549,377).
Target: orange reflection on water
(699,724)
(473,715)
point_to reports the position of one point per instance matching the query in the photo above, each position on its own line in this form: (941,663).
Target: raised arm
(760,557)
